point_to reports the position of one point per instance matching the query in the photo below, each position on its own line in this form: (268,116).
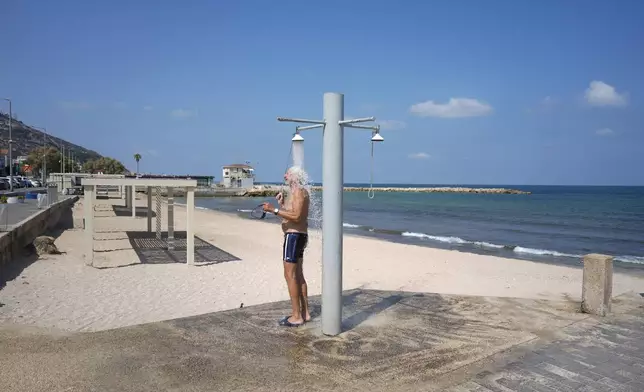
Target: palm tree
(137,158)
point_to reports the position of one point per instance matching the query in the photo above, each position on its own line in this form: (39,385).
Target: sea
(553,224)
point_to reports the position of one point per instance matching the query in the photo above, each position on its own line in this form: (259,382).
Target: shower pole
(332,202)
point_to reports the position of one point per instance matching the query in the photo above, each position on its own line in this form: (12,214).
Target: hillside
(26,139)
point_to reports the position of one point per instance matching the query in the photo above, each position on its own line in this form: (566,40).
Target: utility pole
(10,145)
(44,157)
(62,162)
(44,154)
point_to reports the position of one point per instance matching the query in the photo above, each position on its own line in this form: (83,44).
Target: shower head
(297,137)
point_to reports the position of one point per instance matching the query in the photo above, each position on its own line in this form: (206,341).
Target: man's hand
(280,199)
(268,207)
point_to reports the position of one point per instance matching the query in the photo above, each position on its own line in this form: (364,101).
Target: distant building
(238,176)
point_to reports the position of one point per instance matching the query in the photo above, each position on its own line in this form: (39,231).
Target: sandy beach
(62,292)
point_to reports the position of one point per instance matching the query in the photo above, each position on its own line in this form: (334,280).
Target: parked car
(16,182)
(4,184)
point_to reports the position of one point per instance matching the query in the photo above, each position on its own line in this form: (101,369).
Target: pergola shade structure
(153,185)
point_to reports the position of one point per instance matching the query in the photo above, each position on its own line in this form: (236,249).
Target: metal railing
(16,208)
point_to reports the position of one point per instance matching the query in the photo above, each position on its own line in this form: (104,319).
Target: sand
(61,292)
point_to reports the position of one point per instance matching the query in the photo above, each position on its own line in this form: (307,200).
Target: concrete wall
(12,243)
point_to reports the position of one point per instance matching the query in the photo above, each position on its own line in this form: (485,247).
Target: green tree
(137,158)
(39,155)
(105,165)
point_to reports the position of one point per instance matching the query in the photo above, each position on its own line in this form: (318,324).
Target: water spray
(333,186)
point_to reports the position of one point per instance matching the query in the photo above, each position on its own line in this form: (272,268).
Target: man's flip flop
(285,323)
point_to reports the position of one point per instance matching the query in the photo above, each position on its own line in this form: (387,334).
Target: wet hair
(297,175)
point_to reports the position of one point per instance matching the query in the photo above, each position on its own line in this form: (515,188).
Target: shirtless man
(294,212)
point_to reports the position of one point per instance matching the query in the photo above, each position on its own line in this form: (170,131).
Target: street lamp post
(10,147)
(44,154)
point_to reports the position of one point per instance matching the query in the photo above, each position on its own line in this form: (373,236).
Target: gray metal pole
(44,153)
(44,157)
(332,198)
(10,146)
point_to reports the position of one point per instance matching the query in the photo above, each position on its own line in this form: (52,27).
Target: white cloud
(419,155)
(147,108)
(183,113)
(602,94)
(391,125)
(604,132)
(454,108)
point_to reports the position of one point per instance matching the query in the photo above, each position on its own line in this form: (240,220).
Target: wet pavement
(391,341)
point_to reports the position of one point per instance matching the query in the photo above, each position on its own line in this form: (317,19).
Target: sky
(466,92)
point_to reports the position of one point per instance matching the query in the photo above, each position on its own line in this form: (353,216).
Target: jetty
(272,190)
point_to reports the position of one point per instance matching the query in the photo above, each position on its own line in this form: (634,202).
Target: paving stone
(608,357)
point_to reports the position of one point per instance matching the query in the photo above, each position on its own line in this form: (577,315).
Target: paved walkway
(11,214)
(606,357)
(392,341)
(21,191)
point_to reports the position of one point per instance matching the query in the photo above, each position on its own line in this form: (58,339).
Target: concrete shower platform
(392,341)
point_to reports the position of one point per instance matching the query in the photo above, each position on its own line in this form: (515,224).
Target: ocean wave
(453,240)
(543,252)
(449,240)
(483,244)
(516,249)
(630,259)
(350,225)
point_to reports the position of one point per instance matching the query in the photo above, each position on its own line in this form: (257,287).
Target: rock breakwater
(267,190)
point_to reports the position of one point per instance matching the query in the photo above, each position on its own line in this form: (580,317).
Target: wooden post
(89,224)
(190,229)
(133,201)
(149,211)
(170,218)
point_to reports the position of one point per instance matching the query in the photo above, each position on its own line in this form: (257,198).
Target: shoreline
(121,288)
(456,244)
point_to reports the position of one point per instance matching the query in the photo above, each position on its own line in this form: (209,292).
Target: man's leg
(304,295)
(290,274)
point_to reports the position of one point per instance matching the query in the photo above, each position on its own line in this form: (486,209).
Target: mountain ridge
(27,138)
